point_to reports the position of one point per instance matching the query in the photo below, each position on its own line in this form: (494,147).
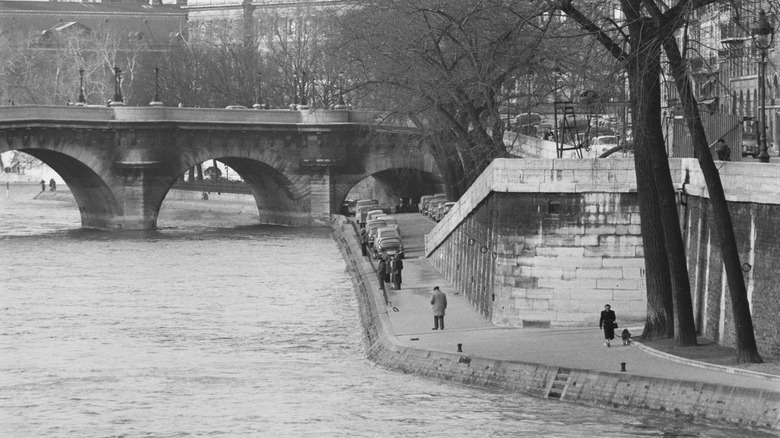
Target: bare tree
(444,66)
(747,350)
(642,37)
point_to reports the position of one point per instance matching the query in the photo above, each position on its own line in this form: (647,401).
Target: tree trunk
(747,350)
(646,89)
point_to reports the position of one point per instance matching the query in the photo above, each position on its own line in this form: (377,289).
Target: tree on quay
(443,66)
(747,350)
(636,43)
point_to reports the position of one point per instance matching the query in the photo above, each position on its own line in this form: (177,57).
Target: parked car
(604,143)
(391,222)
(372,227)
(438,197)
(373,214)
(360,214)
(423,200)
(433,206)
(387,240)
(348,207)
(749,144)
(443,210)
(390,246)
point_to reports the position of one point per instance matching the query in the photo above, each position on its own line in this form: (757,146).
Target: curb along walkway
(532,361)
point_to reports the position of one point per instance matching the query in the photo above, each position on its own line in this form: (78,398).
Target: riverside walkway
(411,320)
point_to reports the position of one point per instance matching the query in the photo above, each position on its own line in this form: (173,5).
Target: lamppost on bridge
(156,101)
(763,37)
(117,100)
(258,97)
(82,101)
(341,104)
(295,90)
(304,101)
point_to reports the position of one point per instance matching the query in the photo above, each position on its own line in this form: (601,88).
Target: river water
(216,326)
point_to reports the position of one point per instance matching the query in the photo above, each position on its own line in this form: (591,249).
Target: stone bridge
(120,162)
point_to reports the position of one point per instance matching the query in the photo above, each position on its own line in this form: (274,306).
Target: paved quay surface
(581,348)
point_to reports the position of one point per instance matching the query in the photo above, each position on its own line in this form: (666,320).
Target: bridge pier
(322,196)
(139,205)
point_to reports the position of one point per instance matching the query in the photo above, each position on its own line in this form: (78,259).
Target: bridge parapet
(161,114)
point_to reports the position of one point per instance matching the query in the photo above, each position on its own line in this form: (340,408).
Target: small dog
(626,335)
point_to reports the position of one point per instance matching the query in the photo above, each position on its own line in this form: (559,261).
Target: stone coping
(742,182)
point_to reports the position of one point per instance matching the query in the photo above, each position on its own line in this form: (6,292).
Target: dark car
(749,144)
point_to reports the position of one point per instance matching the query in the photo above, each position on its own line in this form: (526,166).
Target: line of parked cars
(435,206)
(384,235)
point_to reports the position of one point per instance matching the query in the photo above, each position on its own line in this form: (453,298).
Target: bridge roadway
(581,348)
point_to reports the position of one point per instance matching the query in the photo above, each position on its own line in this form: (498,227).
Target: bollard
(460,348)
(622,367)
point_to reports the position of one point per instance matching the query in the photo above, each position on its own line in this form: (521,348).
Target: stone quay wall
(549,242)
(692,400)
(546,243)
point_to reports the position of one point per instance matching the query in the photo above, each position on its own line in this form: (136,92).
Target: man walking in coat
(439,303)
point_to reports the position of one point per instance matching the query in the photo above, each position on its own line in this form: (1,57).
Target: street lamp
(763,36)
(295,88)
(117,100)
(341,104)
(156,101)
(304,102)
(257,104)
(82,100)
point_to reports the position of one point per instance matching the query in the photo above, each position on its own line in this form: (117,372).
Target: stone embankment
(746,406)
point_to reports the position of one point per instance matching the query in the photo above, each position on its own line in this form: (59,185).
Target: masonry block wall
(551,248)
(755,227)
(538,259)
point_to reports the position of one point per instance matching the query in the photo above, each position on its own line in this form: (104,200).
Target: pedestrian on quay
(380,273)
(607,322)
(52,185)
(439,303)
(724,151)
(388,268)
(398,266)
(363,242)
(43,185)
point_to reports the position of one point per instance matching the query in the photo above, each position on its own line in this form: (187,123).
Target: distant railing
(212,186)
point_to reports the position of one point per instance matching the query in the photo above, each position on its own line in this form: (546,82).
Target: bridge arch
(82,171)
(390,185)
(281,195)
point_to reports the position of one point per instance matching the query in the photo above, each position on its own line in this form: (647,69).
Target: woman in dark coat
(607,322)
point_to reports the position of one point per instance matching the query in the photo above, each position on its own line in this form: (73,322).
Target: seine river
(216,326)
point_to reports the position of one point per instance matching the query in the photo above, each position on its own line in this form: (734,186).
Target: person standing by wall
(721,151)
(380,274)
(439,304)
(388,268)
(607,322)
(398,266)
(364,242)
(724,151)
